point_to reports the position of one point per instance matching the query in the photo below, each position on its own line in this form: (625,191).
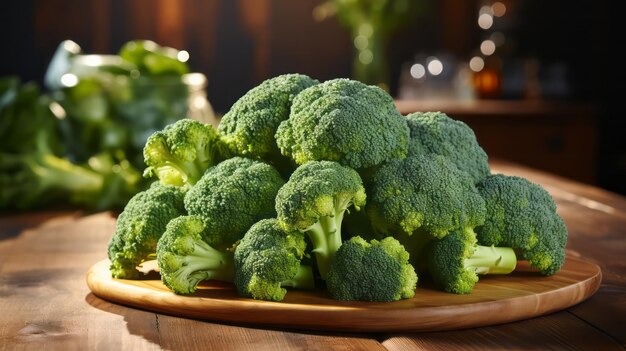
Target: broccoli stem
(193,170)
(325,236)
(492,260)
(188,171)
(55,172)
(215,264)
(302,280)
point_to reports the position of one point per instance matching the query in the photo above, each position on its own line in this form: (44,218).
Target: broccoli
(268,259)
(376,271)
(33,171)
(180,153)
(25,117)
(248,128)
(140,226)
(455,261)
(425,193)
(314,201)
(434,132)
(344,121)
(153,59)
(523,215)
(185,259)
(231,197)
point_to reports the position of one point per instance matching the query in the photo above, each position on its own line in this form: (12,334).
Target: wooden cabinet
(557,137)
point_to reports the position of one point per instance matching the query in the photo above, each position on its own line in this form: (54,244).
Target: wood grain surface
(495,300)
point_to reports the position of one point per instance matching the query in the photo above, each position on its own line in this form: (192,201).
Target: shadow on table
(138,322)
(149,325)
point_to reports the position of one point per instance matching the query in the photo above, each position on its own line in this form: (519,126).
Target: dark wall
(238,43)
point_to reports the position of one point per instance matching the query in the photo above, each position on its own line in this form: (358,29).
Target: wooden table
(45,303)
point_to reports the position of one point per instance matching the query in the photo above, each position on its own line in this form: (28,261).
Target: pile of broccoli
(326,185)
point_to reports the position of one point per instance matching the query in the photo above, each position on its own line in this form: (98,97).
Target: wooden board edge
(346,319)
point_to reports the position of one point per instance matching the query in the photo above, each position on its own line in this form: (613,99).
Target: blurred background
(537,80)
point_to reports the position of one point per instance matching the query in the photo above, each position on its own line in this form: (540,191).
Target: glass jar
(111,110)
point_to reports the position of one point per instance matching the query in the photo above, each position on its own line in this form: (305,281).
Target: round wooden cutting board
(495,299)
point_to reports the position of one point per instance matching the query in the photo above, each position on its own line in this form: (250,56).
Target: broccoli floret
(185,259)
(435,132)
(455,261)
(314,201)
(376,271)
(267,259)
(344,121)
(140,226)
(249,127)
(180,154)
(425,193)
(231,197)
(523,215)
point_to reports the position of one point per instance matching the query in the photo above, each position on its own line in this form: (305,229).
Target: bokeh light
(498,9)
(69,80)
(183,56)
(366,57)
(418,71)
(487,47)
(435,67)
(477,64)
(485,21)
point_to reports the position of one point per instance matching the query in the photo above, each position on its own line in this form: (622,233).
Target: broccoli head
(375,271)
(523,215)
(267,259)
(180,154)
(435,132)
(231,197)
(185,259)
(345,121)
(314,201)
(426,193)
(248,128)
(455,261)
(140,226)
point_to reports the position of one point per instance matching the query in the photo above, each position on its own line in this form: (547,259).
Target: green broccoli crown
(455,261)
(140,226)
(185,259)
(180,153)
(318,189)
(232,196)
(424,192)
(267,259)
(249,127)
(314,201)
(345,121)
(376,271)
(435,132)
(523,215)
